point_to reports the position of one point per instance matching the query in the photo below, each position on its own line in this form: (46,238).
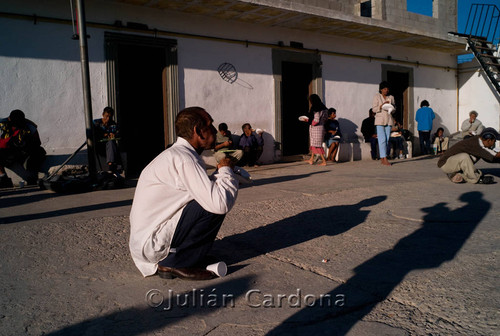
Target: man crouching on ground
(458,162)
(177,209)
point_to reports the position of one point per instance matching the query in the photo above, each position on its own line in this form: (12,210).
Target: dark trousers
(397,145)
(374,144)
(110,148)
(425,141)
(32,159)
(193,237)
(250,155)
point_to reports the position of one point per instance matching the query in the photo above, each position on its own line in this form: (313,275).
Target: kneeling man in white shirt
(178,209)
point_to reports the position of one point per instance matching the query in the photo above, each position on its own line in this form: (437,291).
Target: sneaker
(486,180)
(6,182)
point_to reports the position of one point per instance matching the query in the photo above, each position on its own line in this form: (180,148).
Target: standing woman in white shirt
(383,106)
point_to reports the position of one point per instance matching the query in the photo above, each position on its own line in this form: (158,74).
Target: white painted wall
(476,93)
(249,99)
(438,87)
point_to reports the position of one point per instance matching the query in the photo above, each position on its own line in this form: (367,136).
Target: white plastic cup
(219,268)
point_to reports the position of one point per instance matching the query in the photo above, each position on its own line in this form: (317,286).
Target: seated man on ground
(440,141)
(224,145)
(252,145)
(370,134)
(20,143)
(332,134)
(396,141)
(471,126)
(458,162)
(106,135)
(178,209)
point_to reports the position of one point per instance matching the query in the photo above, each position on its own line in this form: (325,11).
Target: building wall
(249,99)
(42,70)
(478,94)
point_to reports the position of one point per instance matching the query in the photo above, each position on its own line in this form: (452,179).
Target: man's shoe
(6,182)
(486,180)
(184,273)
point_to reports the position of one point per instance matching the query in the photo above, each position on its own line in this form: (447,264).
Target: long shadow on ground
(294,230)
(441,236)
(62,212)
(162,309)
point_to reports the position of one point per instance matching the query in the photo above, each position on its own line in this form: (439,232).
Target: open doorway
(139,87)
(140,101)
(296,76)
(401,81)
(296,88)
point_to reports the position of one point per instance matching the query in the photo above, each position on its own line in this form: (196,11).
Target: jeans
(383,134)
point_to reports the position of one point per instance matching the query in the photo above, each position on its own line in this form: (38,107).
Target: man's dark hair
(223,127)
(245,126)
(17,118)
(331,110)
(109,110)
(188,119)
(424,103)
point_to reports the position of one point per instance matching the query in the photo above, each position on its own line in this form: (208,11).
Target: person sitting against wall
(370,133)
(440,141)
(251,144)
(471,126)
(20,143)
(224,145)
(332,134)
(106,134)
(396,141)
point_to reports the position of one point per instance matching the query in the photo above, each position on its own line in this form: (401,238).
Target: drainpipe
(87,102)
(458,97)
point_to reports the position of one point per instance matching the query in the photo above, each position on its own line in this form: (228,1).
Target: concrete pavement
(353,248)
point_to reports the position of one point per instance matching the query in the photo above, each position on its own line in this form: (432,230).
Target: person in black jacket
(458,162)
(370,133)
(20,143)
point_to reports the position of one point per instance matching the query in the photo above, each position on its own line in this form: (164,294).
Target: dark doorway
(140,103)
(295,89)
(399,85)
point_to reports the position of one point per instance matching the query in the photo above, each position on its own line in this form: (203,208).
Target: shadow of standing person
(442,235)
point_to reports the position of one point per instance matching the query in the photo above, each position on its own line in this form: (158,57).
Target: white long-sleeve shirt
(166,185)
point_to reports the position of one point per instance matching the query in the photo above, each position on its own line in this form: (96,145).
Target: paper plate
(388,107)
(242,175)
(303,118)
